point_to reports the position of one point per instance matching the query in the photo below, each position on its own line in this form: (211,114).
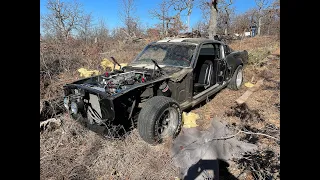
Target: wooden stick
(242,99)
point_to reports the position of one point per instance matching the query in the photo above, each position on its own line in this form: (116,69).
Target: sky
(108,10)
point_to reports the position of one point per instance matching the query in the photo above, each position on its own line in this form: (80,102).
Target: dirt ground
(261,112)
(73,152)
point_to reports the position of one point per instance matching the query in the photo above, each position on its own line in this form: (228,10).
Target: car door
(221,63)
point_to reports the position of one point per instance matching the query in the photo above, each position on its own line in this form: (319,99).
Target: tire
(233,84)
(159,112)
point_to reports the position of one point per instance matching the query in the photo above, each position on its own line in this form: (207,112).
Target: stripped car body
(187,70)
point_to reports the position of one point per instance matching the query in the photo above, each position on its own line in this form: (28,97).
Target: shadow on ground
(109,131)
(209,169)
(202,103)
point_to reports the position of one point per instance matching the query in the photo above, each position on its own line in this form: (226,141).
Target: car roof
(191,40)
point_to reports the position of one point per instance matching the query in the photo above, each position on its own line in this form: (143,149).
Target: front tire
(160,118)
(237,79)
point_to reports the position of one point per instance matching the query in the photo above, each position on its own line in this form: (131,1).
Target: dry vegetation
(59,61)
(73,152)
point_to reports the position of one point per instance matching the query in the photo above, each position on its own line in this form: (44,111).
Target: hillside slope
(73,152)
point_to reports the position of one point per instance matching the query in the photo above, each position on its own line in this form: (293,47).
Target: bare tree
(85,27)
(182,5)
(171,24)
(242,22)
(271,20)
(276,20)
(212,30)
(101,31)
(261,5)
(202,27)
(127,16)
(276,5)
(204,5)
(162,13)
(225,6)
(62,18)
(176,25)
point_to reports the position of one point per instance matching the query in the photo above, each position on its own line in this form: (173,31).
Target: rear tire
(237,79)
(160,118)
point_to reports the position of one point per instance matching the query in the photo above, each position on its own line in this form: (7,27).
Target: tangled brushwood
(262,164)
(244,113)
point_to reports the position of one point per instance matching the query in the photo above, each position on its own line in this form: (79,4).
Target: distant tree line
(67,20)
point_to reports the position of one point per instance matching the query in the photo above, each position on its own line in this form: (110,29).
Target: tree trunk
(167,28)
(163,27)
(259,25)
(188,22)
(227,23)
(212,30)
(66,35)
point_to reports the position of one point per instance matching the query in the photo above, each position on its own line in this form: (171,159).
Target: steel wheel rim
(239,78)
(167,122)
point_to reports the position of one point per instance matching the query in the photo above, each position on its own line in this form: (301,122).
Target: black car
(151,92)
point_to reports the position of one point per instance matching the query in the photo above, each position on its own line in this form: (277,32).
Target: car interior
(204,72)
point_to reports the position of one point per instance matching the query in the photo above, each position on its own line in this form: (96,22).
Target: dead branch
(226,137)
(261,134)
(245,132)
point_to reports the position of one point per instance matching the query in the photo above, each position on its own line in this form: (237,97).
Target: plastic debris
(249,84)
(194,149)
(87,73)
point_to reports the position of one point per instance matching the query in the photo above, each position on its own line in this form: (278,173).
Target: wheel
(237,79)
(160,118)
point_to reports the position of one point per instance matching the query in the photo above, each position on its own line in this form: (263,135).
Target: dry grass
(257,47)
(59,61)
(73,152)
(253,43)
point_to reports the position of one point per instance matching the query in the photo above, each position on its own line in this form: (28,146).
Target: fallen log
(242,99)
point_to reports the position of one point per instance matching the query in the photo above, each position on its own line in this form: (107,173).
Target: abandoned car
(151,92)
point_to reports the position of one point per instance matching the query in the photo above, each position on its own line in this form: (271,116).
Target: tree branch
(245,132)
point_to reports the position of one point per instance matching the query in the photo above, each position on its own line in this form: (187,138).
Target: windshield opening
(167,54)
